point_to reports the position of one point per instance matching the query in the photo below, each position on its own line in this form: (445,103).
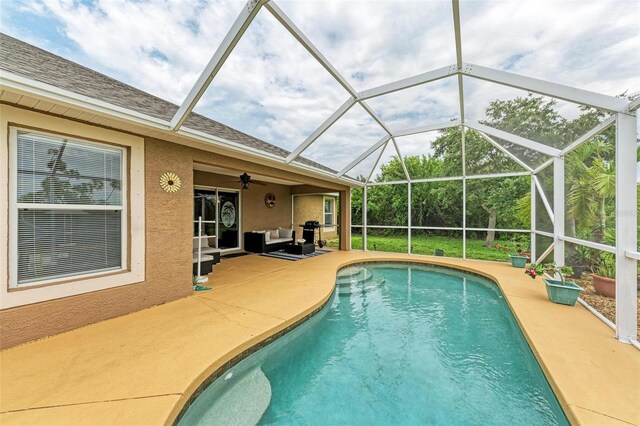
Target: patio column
(364,218)
(558,210)
(345,219)
(532,246)
(626,223)
(409,251)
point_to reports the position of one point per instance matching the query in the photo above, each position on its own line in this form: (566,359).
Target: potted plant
(558,291)
(604,276)
(196,286)
(518,259)
(580,261)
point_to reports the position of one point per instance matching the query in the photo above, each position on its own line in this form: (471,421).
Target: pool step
(353,275)
(243,402)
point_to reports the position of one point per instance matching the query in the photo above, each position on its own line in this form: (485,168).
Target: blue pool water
(401,345)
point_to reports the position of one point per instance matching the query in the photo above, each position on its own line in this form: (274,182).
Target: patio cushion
(203,258)
(267,237)
(280,241)
(285,233)
(208,250)
(274,234)
(204,243)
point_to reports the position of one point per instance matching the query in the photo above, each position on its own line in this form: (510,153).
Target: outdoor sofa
(268,240)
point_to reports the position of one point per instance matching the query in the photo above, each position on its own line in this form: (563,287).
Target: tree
(62,184)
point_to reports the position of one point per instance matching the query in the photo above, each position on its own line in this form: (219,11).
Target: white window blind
(70,208)
(328,211)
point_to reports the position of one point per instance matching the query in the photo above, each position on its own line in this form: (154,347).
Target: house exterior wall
(164,239)
(311,207)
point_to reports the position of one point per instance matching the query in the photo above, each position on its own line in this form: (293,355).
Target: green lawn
(427,245)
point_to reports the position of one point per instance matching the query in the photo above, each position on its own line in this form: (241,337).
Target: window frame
(332,200)
(15,207)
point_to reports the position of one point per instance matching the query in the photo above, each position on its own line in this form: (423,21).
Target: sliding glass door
(220,212)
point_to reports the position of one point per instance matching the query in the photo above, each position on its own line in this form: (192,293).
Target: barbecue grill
(309,233)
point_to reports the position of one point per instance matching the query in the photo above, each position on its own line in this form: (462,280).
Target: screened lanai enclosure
(466,129)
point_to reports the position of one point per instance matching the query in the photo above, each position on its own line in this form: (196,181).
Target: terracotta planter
(604,286)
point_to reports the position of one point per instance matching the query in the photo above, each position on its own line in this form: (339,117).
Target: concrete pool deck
(142,368)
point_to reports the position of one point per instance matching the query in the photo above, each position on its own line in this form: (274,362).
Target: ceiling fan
(244,181)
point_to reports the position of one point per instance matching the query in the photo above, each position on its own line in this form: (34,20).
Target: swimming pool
(396,344)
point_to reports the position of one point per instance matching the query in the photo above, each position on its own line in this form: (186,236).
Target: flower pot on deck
(518,261)
(563,293)
(604,286)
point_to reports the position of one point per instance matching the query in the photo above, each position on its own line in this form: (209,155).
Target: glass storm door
(228,220)
(220,211)
(205,206)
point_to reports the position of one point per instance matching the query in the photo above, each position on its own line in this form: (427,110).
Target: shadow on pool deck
(141,368)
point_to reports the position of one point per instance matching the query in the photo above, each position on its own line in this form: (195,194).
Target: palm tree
(590,178)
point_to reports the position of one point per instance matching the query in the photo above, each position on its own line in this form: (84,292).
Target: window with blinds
(328,211)
(69,197)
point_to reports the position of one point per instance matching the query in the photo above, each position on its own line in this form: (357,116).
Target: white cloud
(271,88)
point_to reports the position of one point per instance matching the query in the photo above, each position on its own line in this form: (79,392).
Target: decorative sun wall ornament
(270,200)
(170,182)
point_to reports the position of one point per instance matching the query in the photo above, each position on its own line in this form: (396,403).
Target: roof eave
(13,82)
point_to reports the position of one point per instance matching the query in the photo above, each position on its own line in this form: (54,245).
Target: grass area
(428,244)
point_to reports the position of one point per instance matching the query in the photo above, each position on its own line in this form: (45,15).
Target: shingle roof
(37,64)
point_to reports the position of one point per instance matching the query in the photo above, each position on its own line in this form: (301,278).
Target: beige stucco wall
(311,207)
(166,234)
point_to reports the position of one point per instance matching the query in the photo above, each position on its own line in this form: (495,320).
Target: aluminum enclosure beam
(505,151)
(409,82)
(626,221)
(401,159)
(364,155)
(375,117)
(543,166)
(591,133)
(532,215)
(543,196)
(320,130)
(242,22)
(293,29)
(575,144)
(559,209)
(545,253)
(517,140)
(427,128)
(555,90)
(458,38)
(373,169)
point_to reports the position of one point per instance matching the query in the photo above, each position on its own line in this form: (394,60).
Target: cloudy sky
(272,89)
